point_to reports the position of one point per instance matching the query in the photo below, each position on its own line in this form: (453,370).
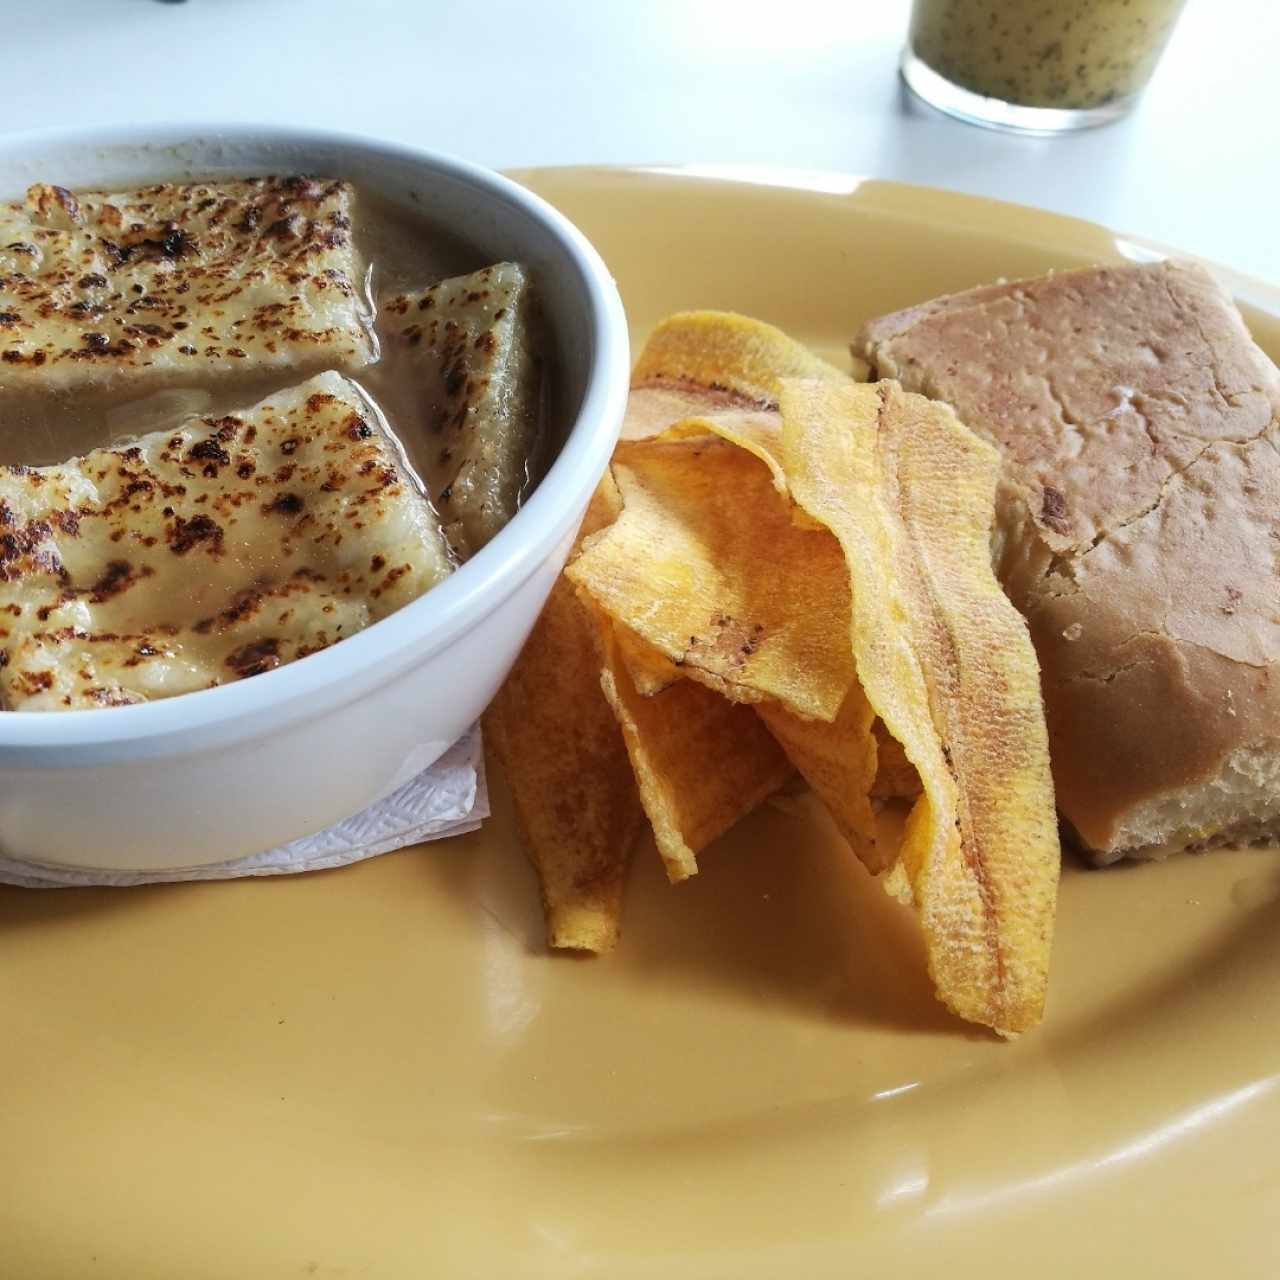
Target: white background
(805,83)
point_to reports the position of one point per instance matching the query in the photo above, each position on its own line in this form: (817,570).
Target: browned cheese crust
(179,281)
(213,551)
(1138,523)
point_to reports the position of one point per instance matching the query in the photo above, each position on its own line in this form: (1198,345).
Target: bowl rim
(429,623)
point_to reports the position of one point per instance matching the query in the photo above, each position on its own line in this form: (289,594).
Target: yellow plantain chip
(896,776)
(650,671)
(947,664)
(714,364)
(701,762)
(681,390)
(603,509)
(706,565)
(566,763)
(758,431)
(729,356)
(652,409)
(838,761)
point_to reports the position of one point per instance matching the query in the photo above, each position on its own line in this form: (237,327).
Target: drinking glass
(1037,66)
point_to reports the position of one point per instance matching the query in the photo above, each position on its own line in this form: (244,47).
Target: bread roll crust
(1138,530)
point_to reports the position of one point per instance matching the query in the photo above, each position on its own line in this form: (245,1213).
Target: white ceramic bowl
(244,767)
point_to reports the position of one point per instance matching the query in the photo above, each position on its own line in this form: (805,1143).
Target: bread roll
(1137,531)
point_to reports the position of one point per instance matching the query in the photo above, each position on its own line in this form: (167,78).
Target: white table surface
(805,83)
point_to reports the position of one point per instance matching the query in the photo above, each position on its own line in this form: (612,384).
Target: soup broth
(438,381)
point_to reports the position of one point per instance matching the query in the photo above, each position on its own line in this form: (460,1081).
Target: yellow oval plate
(378,1072)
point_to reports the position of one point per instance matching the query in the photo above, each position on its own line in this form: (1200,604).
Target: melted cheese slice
(179,280)
(466,345)
(217,550)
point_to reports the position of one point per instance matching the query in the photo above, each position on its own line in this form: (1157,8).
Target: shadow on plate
(781,913)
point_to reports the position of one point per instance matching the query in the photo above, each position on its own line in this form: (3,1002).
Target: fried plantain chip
(714,364)
(896,776)
(706,565)
(652,409)
(758,431)
(700,762)
(566,763)
(947,664)
(650,671)
(721,351)
(838,761)
(580,847)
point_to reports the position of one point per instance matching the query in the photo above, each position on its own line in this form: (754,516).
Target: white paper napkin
(445,799)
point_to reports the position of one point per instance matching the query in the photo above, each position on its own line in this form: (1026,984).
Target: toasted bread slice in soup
(475,389)
(1139,424)
(212,551)
(178,282)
